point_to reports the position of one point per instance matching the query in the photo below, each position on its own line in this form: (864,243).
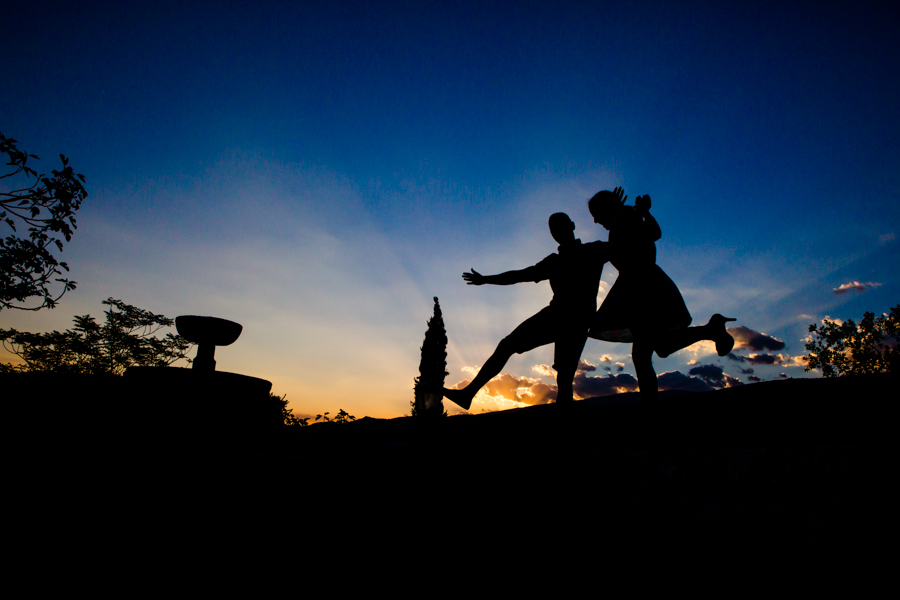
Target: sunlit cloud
(544,370)
(859,287)
(504,385)
(521,391)
(698,349)
(744,337)
(584,365)
(539,393)
(798,361)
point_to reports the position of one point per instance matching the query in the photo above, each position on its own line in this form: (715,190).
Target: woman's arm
(650,228)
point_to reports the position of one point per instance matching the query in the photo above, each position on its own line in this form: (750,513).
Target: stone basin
(207,333)
(208,330)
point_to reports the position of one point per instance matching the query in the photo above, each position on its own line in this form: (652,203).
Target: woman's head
(604,207)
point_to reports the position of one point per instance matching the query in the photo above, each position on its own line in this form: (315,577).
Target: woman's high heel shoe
(724,341)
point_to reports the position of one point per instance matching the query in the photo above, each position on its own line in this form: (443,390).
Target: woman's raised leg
(672,341)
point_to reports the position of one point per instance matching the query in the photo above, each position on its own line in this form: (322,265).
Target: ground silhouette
(767,486)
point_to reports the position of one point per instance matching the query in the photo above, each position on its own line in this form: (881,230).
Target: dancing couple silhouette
(643,307)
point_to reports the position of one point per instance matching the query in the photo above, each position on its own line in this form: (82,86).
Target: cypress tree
(432,369)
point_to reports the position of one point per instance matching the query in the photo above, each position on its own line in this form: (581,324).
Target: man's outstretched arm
(507,278)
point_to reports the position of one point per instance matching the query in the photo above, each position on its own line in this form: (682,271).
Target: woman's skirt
(647,300)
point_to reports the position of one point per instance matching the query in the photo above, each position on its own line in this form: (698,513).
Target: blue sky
(319,172)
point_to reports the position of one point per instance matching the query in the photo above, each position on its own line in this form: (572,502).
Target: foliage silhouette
(342,417)
(126,339)
(432,369)
(851,349)
(46,207)
(287,414)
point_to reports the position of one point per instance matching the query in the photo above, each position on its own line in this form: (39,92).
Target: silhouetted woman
(644,305)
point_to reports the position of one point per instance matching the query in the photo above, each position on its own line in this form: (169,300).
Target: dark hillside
(772,484)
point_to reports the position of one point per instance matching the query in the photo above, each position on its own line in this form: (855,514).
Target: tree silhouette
(851,349)
(126,339)
(432,369)
(46,207)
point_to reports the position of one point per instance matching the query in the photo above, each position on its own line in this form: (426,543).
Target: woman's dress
(643,298)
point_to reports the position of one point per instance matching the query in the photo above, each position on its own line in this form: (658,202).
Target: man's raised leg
(531,333)
(491,369)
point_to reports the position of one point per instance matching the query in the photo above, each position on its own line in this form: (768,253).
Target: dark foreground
(775,488)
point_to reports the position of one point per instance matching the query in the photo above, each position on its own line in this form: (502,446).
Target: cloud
(711,374)
(884,238)
(460,385)
(856,285)
(765,359)
(754,378)
(504,385)
(744,337)
(584,365)
(508,391)
(590,387)
(830,320)
(797,361)
(715,376)
(620,367)
(693,361)
(544,370)
(539,393)
(676,380)
(703,347)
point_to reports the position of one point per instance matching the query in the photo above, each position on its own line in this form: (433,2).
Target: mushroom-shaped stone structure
(207,333)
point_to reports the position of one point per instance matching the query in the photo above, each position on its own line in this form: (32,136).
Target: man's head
(562,228)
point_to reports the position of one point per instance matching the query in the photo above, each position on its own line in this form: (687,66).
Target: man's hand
(474,278)
(642,203)
(620,195)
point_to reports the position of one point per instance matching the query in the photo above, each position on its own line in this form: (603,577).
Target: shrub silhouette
(851,349)
(126,339)
(432,369)
(287,414)
(342,417)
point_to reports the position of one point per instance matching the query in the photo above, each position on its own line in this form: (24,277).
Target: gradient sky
(319,171)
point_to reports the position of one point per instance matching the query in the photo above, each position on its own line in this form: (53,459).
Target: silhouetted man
(574,275)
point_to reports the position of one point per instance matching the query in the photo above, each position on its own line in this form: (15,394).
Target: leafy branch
(47,209)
